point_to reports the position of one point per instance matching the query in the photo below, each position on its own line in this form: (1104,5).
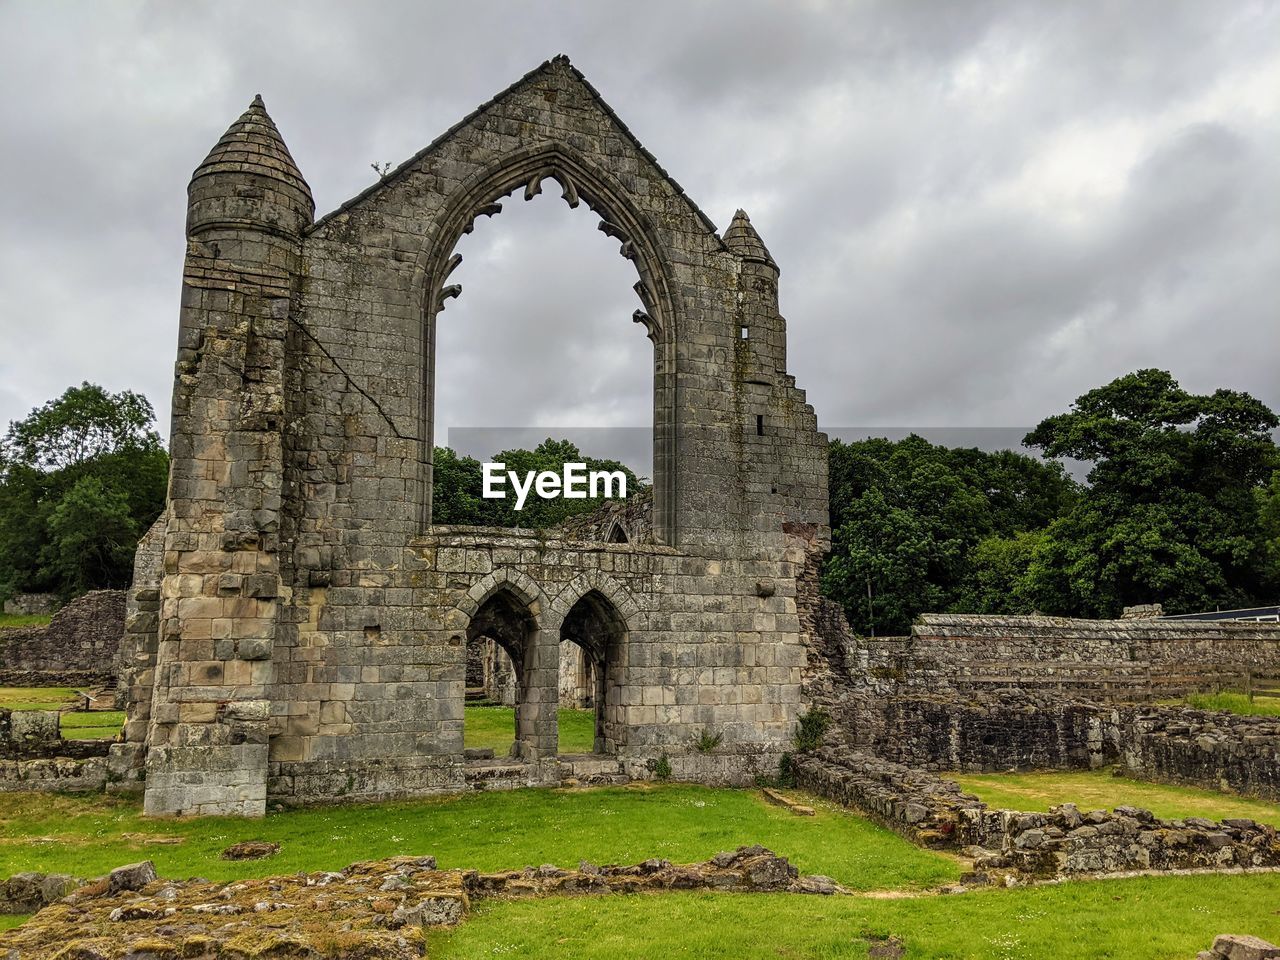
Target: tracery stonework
(311,640)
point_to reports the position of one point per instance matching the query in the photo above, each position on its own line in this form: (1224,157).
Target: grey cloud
(883,150)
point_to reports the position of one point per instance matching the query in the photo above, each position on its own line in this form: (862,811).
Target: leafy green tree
(1175,507)
(80,479)
(907,516)
(1269,517)
(456,488)
(996,580)
(92,537)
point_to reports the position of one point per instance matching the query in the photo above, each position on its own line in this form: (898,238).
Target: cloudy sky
(980,209)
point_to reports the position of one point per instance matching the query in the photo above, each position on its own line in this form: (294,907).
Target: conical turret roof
(253,146)
(742,239)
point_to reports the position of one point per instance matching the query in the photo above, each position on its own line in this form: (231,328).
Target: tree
(92,537)
(996,579)
(908,515)
(80,479)
(1174,510)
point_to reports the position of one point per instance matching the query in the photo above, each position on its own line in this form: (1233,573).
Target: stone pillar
(207,736)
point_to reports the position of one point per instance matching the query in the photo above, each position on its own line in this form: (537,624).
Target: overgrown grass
(1139,919)
(87,835)
(491,726)
(23,620)
(1098,789)
(1236,703)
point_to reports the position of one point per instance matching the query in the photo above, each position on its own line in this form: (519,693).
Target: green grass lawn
(89,725)
(489,726)
(23,620)
(35,698)
(1140,919)
(86,834)
(1099,790)
(1236,703)
(94,725)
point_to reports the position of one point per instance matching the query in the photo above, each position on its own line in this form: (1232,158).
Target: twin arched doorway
(563,681)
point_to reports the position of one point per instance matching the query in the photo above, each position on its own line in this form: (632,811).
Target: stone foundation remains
(934,812)
(370,909)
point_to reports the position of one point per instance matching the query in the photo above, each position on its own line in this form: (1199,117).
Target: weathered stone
(298,565)
(132,876)
(1232,946)
(251,850)
(370,909)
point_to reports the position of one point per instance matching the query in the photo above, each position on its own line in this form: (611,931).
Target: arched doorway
(504,623)
(595,631)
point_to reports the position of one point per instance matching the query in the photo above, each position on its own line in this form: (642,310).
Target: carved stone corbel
(448,293)
(488,210)
(651,328)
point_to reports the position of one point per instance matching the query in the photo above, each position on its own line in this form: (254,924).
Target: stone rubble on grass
(251,850)
(373,910)
(1233,946)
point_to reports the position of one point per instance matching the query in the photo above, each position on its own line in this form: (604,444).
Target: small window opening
(759,424)
(744,332)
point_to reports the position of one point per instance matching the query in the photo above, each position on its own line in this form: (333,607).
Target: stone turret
(249,181)
(207,736)
(742,239)
(759,323)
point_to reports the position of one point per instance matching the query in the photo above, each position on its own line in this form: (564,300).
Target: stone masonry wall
(313,623)
(77,648)
(1124,660)
(1199,748)
(398,721)
(31,604)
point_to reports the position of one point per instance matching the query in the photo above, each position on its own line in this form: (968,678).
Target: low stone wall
(1012,732)
(1200,748)
(33,756)
(1113,660)
(935,812)
(77,648)
(31,604)
(35,735)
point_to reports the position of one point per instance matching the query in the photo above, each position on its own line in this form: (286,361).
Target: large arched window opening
(541,338)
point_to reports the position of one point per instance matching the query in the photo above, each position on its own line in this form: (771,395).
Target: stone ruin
(300,627)
(300,631)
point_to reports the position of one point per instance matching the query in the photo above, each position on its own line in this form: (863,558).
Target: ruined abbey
(300,627)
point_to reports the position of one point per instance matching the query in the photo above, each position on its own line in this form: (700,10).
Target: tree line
(1180,506)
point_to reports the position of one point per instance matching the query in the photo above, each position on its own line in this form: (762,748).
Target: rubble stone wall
(1200,748)
(77,648)
(935,812)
